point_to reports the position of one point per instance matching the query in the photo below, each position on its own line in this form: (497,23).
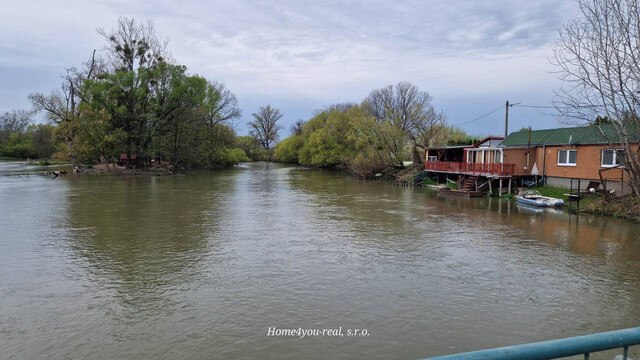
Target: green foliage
(225,157)
(44,140)
(456,136)
(552,192)
(288,150)
(141,105)
(429,181)
(251,147)
(329,139)
(352,138)
(602,120)
(20,150)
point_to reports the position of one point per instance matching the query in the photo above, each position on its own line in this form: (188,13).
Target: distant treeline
(20,138)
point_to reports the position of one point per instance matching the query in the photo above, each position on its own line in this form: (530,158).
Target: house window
(567,157)
(610,157)
(432,158)
(497,159)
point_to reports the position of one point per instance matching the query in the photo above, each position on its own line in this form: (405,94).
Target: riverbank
(103,169)
(627,207)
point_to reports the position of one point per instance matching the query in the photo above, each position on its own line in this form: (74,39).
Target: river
(201,266)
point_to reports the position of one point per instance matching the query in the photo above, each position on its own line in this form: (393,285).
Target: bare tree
(61,106)
(402,114)
(297,127)
(264,127)
(599,63)
(133,45)
(221,105)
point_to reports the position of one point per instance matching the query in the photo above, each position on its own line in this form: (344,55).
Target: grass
(585,199)
(428,181)
(627,207)
(552,192)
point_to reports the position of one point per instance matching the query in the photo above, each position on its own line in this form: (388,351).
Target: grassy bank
(560,193)
(627,207)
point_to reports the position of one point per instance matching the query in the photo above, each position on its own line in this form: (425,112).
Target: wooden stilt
(500,192)
(490,190)
(509,185)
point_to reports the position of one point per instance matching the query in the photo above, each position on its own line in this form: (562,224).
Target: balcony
(471,168)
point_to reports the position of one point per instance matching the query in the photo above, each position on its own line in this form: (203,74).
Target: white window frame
(497,157)
(432,158)
(567,163)
(615,158)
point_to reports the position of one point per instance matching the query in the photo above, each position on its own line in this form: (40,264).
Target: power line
(534,106)
(480,117)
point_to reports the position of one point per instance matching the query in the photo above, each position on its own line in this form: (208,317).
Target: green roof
(584,135)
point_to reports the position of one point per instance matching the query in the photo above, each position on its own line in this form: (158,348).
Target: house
(562,154)
(483,157)
(552,156)
(467,164)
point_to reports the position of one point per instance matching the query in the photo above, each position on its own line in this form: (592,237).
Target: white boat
(533,197)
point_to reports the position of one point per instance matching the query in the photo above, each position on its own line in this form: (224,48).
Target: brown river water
(202,266)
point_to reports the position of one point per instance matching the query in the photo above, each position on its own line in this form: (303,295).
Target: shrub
(20,150)
(288,150)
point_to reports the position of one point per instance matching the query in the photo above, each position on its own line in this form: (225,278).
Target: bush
(323,149)
(288,150)
(20,150)
(362,165)
(226,157)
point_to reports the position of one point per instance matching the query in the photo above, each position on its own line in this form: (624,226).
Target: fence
(555,349)
(472,168)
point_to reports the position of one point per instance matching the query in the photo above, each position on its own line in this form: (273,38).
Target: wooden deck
(463,193)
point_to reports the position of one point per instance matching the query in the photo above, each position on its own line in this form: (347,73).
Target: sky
(300,56)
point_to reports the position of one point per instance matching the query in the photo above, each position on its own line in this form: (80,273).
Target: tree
(264,127)
(250,146)
(61,106)
(135,58)
(297,127)
(403,113)
(15,121)
(43,140)
(221,105)
(599,63)
(132,46)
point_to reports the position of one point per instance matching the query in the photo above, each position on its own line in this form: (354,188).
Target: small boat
(533,197)
(531,209)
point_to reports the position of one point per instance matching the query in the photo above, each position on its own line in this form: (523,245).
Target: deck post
(500,192)
(509,185)
(490,191)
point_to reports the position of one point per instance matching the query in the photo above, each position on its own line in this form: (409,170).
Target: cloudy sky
(299,56)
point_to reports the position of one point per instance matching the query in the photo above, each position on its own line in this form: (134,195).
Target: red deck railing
(462,167)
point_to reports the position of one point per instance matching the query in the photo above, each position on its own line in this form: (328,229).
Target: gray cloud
(312,52)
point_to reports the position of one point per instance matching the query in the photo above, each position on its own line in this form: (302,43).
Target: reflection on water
(200,266)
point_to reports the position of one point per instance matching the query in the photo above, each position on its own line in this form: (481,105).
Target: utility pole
(506,119)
